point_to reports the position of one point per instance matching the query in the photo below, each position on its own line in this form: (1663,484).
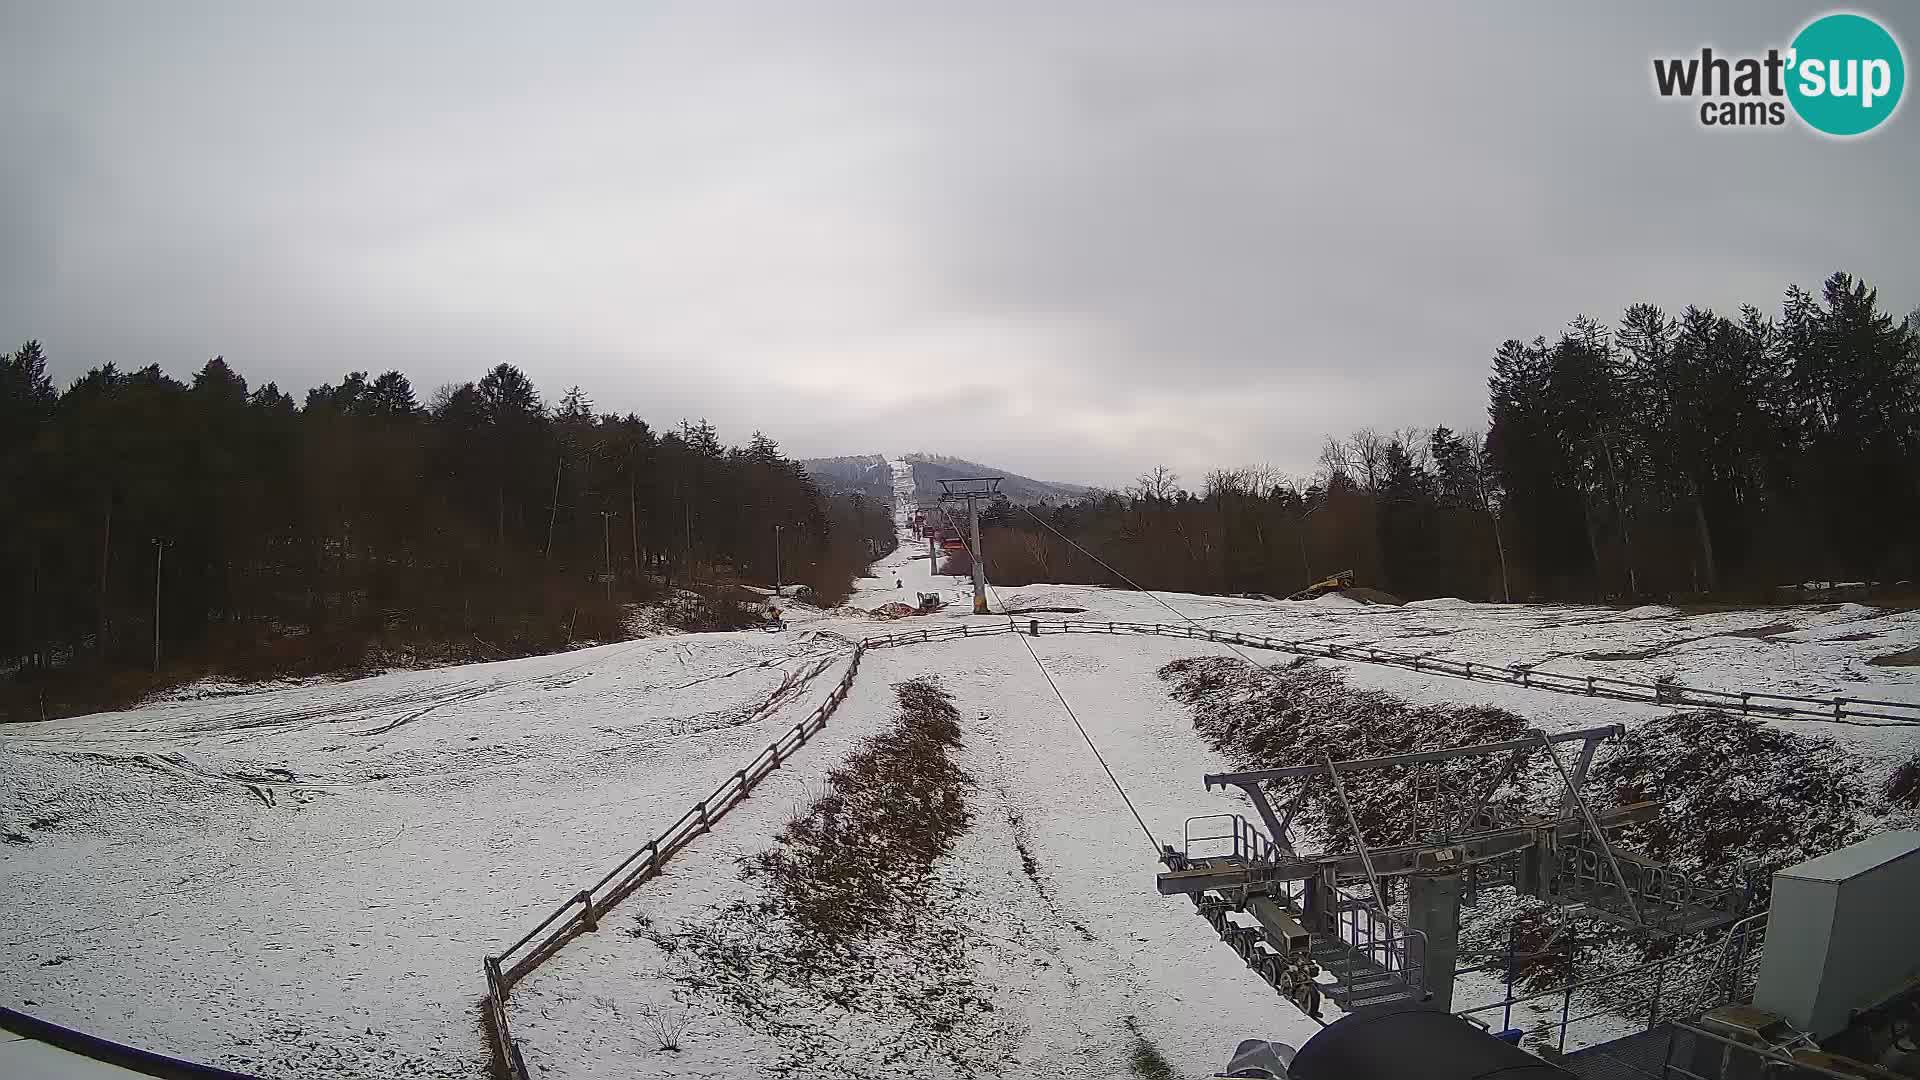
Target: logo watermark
(1842,75)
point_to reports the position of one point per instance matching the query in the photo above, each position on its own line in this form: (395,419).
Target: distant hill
(930,469)
(871,476)
(866,474)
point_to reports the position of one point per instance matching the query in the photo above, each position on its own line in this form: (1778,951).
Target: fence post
(1838,711)
(1469,669)
(1659,981)
(1566,1000)
(586,916)
(702,807)
(1589,686)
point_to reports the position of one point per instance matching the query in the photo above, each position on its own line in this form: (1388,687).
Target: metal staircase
(1351,954)
(1368,957)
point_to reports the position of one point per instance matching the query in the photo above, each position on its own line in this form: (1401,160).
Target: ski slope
(300,881)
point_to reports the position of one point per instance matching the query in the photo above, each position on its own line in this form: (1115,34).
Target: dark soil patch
(710,609)
(1146,1060)
(1909,658)
(1734,790)
(1766,631)
(1372,596)
(1759,632)
(1902,788)
(1030,866)
(1639,654)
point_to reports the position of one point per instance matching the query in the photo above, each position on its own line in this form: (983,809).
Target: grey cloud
(1074,241)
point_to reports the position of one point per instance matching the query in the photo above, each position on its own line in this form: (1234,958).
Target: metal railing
(581,912)
(1694,1053)
(1646,995)
(1373,935)
(1397,950)
(1244,840)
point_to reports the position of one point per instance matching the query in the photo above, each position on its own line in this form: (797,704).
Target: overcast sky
(1069,240)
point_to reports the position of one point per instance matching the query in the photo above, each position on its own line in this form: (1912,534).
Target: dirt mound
(1273,717)
(1371,596)
(1735,790)
(1902,788)
(895,610)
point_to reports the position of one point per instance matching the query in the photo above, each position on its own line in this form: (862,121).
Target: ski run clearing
(301,881)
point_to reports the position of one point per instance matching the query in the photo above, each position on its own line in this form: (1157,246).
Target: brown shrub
(852,861)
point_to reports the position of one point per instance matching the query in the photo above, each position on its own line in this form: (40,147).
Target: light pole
(776,558)
(1306,516)
(606,544)
(159,555)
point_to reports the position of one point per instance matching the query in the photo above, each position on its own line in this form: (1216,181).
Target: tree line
(290,537)
(1696,454)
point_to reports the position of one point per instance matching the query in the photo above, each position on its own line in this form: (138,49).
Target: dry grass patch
(845,864)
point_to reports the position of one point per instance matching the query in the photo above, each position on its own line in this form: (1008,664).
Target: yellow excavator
(1339,581)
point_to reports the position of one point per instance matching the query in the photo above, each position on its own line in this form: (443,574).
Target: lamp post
(776,558)
(1304,518)
(606,544)
(159,556)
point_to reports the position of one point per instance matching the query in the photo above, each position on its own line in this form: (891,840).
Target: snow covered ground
(1066,954)
(301,881)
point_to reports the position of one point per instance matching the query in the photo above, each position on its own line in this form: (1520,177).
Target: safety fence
(582,912)
(1686,1050)
(1640,996)
(1868,712)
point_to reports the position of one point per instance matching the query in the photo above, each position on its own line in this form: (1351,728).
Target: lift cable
(1150,593)
(1893,722)
(1097,755)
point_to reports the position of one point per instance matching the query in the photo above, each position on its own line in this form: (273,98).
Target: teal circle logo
(1847,74)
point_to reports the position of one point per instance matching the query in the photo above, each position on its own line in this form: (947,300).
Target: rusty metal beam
(1217,874)
(1242,779)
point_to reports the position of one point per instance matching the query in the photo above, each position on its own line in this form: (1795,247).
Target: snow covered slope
(1047,909)
(302,881)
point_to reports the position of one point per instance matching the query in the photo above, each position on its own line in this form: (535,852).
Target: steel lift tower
(973,490)
(1328,911)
